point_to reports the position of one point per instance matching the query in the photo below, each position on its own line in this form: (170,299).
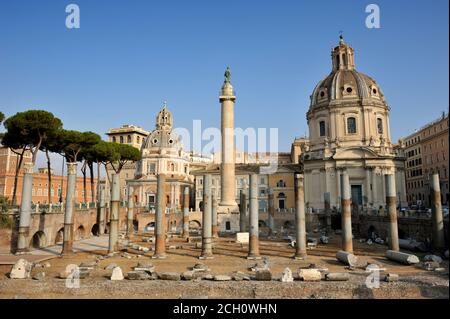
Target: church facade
(162,153)
(348,121)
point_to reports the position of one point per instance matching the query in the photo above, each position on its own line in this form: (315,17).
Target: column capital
(28,167)
(71,168)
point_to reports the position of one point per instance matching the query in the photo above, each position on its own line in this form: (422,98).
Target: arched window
(138,139)
(129,139)
(322,128)
(121,140)
(380,126)
(114,139)
(351,125)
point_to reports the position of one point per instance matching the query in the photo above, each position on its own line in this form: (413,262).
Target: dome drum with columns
(162,152)
(348,122)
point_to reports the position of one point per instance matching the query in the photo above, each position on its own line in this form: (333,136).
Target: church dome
(163,137)
(344,82)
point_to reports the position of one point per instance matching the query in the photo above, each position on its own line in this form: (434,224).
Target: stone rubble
(287,275)
(222,278)
(263,275)
(337,276)
(138,275)
(200,267)
(391,277)
(434,258)
(21,269)
(309,275)
(169,276)
(117,274)
(111,266)
(240,276)
(39,276)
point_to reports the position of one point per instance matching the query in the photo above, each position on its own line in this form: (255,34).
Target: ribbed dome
(163,136)
(345,84)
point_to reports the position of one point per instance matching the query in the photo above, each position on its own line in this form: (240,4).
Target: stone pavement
(37,255)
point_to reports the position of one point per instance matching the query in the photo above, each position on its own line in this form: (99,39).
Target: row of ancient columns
(209,223)
(391,200)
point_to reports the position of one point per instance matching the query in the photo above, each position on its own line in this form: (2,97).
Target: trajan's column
(228,185)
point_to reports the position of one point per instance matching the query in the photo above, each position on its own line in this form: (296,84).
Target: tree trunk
(83,170)
(98,183)
(107,174)
(91,171)
(49,174)
(16,175)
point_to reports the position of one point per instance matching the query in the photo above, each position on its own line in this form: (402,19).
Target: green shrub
(5,220)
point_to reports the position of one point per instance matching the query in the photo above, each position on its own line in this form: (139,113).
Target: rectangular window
(351,125)
(322,128)
(151,168)
(380,126)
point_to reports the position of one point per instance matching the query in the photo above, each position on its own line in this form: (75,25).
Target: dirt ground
(229,257)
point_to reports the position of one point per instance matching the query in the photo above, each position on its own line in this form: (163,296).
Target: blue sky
(130,56)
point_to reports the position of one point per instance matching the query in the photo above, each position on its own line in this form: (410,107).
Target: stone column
(327,206)
(383,187)
(368,191)
(436,216)
(346,213)
(374,189)
(391,201)
(130,213)
(101,218)
(271,212)
(160,218)
(68,213)
(300,224)
(185,232)
(114,214)
(338,184)
(207,218)
(228,183)
(253,247)
(242,211)
(25,209)
(214,227)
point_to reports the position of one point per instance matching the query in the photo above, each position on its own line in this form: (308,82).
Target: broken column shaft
(160,217)
(185,231)
(25,209)
(101,217)
(300,226)
(242,211)
(271,212)
(68,213)
(207,219)
(114,214)
(214,227)
(391,201)
(436,214)
(130,213)
(346,213)
(327,206)
(253,247)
